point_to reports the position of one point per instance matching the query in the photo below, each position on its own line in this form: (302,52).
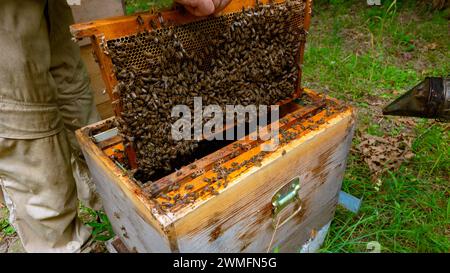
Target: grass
(5,227)
(134,6)
(101,227)
(97,220)
(368,56)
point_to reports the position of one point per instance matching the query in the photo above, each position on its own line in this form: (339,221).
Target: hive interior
(249,57)
(219,166)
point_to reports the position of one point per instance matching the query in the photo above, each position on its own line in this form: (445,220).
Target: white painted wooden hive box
(278,200)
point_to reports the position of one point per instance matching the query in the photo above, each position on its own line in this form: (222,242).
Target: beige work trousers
(44,97)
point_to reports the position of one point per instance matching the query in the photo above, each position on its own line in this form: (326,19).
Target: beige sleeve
(75,97)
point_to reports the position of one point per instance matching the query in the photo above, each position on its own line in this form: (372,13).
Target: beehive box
(279,202)
(234,197)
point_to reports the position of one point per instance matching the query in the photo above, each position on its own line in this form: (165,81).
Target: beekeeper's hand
(203,7)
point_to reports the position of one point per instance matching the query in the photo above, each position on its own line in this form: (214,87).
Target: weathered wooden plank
(135,232)
(120,26)
(240,218)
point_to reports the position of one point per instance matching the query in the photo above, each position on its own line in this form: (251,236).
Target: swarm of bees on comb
(244,58)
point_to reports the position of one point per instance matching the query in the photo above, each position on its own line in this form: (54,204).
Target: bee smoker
(429,99)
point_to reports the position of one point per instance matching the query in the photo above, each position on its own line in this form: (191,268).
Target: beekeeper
(44,97)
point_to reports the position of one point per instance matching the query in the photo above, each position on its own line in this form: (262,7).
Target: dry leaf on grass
(405,121)
(384,153)
(431,46)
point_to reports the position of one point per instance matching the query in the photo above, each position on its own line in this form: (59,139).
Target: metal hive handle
(287,195)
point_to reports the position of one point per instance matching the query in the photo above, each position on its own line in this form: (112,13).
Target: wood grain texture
(134,231)
(119,26)
(240,218)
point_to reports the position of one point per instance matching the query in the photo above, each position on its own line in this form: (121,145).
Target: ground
(399,167)
(9,242)
(97,220)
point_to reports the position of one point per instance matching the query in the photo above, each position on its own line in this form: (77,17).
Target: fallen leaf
(384,153)
(431,46)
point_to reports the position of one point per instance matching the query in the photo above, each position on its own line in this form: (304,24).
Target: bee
(235,154)
(193,195)
(176,187)
(189,187)
(328,112)
(149,56)
(139,20)
(200,172)
(284,120)
(257,163)
(185,199)
(164,196)
(161,20)
(176,197)
(153,24)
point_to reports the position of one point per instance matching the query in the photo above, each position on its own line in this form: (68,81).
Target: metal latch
(287,195)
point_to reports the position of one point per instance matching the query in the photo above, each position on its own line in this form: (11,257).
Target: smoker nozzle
(429,99)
